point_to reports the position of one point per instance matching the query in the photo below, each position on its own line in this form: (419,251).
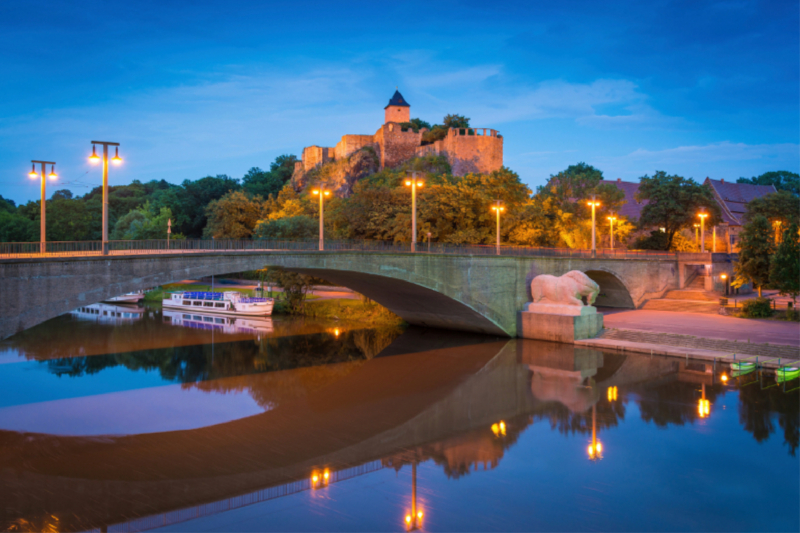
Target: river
(118,418)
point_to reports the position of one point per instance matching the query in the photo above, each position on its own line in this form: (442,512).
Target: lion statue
(565,290)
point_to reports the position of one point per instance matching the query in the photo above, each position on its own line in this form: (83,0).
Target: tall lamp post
(611,220)
(414,183)
(497,208)
(702,216)
(33,175)
(322,193)
(117,160)
(594,204)
(696,237)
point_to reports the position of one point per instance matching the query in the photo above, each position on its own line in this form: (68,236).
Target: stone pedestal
(558,323)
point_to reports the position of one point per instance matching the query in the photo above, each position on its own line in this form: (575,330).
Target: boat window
(197,317)
(187,302)
(105,313)
(208,304)
(197,303)
(219,304)
(219,320)
(188,317)
(208,319)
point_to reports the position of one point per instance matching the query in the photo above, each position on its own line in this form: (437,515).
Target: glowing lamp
(117,160)
(419,515)
(327,193)
(33,174)
(593,204)
(408,519)
(94,158)
(599,448)
(408,183)
(723,276)
(314,478)
(315,192)
(53,174)
(724,378)
(326,475)
(420,183)
(336,332)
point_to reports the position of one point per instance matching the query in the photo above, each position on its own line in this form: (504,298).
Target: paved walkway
(703,325)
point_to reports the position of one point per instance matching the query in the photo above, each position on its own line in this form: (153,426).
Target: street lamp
(696,238)
(322,193)
(94,159)
(594,204)
(33,175)
(702,216)
(611,220)
(777,225)
(724,278)
(497,208)
(413,182)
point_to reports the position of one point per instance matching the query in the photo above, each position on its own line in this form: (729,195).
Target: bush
(757,308)
(793,315)
(658,240)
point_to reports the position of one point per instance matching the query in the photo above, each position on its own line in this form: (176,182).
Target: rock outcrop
(338,176)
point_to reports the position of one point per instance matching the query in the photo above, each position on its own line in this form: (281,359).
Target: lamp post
(33,175)
(169,230)
(777,225)
(413,182)
(497,208)
(94,159)
(611,220)
(322,193)
(714,240)
(594,204)
(702,216)
(724,278)
(429,242)
(696,238)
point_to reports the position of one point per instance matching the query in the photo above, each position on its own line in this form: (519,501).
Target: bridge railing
(140,247)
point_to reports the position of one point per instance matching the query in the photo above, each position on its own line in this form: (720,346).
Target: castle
(477,150)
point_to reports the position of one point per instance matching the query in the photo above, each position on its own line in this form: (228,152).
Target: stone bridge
(466,292)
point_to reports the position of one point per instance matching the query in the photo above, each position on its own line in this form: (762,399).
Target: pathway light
(594,203)
(414,183)
(322,193)
(94,159)
(702,216)
(34,174)
(497,208)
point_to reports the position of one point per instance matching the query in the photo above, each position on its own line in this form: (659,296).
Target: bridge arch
(613,291)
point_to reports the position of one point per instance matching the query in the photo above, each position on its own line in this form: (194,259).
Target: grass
(341,309)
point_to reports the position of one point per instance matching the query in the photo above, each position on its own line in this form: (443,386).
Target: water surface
(162,421)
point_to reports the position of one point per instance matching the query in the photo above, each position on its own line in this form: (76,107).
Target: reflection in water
(337,404)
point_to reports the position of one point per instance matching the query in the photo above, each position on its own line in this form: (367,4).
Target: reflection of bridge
(454,288)
(438,403)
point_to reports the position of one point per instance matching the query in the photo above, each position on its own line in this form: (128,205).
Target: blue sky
(203,88)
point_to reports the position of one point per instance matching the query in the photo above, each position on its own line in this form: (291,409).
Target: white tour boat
(101,312)
(257,326)
(220,303)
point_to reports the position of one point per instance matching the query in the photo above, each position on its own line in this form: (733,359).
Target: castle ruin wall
(351,144)
(396,146)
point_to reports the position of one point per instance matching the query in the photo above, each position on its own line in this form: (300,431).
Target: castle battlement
(478,150)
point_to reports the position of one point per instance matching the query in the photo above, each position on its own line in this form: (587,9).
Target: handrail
(138,247)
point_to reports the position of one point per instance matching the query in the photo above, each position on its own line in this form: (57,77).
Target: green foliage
(295,286)
(756,247)
(63,194)
(757,308)
(366,312)
(7,205)
(782,206)
(657,240)
(17,228)
(783,180)
(293,227)
(455,121)
(568,217)
(234,216)
(784,273)
(439,131)
(144,223)
(418,123)
(674,203)
(265,184)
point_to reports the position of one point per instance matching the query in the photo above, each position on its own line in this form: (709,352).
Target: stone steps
(720,345)
(682,306)
(691,294)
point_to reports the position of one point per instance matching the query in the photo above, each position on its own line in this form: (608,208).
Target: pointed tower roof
(398,100)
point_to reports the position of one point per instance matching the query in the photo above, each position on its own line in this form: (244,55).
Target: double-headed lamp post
(702,216)
(611,220)
(117,160)
(33,175)
(497,208)
(593,203)
(414,183)
(322,193)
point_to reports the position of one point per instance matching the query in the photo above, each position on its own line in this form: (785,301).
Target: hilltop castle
(467,149)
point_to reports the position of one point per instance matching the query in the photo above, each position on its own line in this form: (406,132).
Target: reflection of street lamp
(94,159)
(596,447)
(611,220)
(594,204)
(322,193)
(703,405)
(612,393)
(414,183)
(499,429)
(33,175)
(413,519)
(497,208)
(320,479)
(777,225)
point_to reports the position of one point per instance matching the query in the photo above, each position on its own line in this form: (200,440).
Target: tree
(418,123)
(144,222)
(17,228)
(782,206)
(784,272)
(63,194)
(455,121)
(783,180)
(234,216)
(294,227)
(295,286)
(674,202)
(755,249)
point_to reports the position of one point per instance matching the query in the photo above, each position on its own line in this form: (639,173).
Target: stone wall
(468,150)
(317,155)
(352,143)
(395,145)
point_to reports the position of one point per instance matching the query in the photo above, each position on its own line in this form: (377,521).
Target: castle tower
(398,109)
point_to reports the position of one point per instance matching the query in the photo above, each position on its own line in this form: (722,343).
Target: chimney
(722,180)
(619,180)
